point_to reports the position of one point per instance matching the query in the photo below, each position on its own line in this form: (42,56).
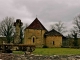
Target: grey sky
(47,11)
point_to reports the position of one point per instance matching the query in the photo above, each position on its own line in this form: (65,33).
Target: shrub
(45,46)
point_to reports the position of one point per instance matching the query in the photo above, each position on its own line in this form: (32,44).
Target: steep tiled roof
(36,24)
(53,32)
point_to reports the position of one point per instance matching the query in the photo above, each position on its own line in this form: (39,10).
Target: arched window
(33,39)
(53,43)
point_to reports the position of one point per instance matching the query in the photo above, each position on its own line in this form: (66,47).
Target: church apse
(34,34)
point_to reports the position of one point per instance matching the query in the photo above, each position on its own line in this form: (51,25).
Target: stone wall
(3,40)
(6,56)
(54,41)
(38,36)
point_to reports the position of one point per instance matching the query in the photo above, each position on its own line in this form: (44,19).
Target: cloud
(53,10)
(48,11)
(9,9)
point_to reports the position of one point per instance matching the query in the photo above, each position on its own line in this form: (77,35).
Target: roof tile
(53,32)
(36,24)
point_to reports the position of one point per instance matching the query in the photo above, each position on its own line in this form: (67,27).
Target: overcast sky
(47,11)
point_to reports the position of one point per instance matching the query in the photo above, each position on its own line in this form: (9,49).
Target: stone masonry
(8,56)
(17,25)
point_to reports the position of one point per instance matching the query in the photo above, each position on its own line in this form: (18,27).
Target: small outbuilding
(53,38)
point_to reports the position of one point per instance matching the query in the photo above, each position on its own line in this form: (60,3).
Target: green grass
(18,52)
(57,51)
(53,51)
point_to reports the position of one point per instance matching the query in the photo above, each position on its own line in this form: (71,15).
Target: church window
(53,42)
(33,40)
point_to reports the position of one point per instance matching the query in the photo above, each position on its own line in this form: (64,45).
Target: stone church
(36,34)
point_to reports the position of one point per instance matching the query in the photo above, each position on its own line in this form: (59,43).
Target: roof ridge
(36,24)
(53,32)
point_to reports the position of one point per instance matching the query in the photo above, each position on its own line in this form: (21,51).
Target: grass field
(57,51)
(53,51)
(18,52)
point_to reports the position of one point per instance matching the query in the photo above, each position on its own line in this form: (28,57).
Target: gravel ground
(10,56)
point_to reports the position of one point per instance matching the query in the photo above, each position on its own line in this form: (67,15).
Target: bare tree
(77,23)
(74,35)
(75,32)
(59,27)
(7,28)
(22,32)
